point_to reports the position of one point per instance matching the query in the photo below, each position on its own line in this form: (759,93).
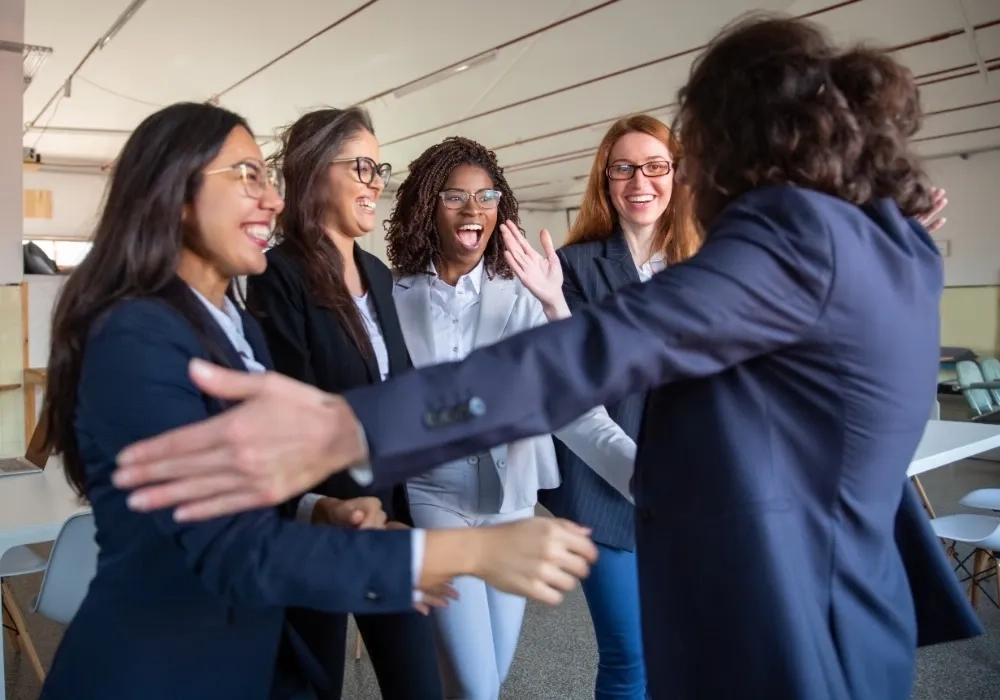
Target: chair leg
(22,630)
(357,645)
(10,629)
(923,497)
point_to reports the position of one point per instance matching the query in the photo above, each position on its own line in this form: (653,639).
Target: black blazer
(307,342)
(591,272)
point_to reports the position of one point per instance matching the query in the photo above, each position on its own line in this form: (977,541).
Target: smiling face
(641,200)
(350,199)
(465,232)
(230,226)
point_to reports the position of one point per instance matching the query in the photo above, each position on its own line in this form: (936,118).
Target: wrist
(350,446)
(452,553)
(557,310)
(322,510)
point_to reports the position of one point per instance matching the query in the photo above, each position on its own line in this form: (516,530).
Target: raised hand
(928,220)
(540,274)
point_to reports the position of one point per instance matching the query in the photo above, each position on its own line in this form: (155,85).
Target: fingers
(225,383)
(936,224)
(188,489)
(141,457)
(152,469)
(548,249)
(228,504)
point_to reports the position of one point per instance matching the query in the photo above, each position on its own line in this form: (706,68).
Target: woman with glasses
(196,610)
(455,293)
(634,220)
(326,309)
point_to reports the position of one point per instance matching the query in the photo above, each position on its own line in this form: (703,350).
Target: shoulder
(281,262)
(148,325)
(576,254)
(402,283)
(378,272)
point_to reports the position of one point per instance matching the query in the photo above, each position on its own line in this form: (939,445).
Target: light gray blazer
(506,307)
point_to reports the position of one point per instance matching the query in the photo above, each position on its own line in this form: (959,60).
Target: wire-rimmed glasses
(456,199)
(255,176)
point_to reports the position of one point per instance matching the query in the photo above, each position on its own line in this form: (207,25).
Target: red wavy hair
(677,235)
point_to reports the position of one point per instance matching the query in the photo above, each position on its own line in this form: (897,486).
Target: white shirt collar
(472,280)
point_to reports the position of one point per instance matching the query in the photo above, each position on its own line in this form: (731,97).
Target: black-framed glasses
(626,171)
(456,199)
(255,176)
(367,169)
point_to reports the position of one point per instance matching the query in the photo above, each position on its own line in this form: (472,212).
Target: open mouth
(259,234)
(366,204)
(469,235)
(640,200)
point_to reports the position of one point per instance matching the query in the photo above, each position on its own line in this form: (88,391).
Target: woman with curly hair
(456,292)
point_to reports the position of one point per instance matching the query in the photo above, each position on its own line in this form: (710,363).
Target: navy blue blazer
(591,271)
(791,364)
(196,611)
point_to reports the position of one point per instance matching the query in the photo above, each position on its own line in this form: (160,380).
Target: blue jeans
(612,592)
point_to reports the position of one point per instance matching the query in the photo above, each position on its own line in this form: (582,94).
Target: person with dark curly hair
(791,365)
(455,292)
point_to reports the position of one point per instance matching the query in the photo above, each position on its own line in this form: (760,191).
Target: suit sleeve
(571,288)
(134,385)
(759,284)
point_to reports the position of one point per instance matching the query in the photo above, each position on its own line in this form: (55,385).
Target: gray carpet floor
(557,658)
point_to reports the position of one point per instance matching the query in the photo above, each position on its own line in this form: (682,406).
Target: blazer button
(371,595)
(477,407)
(501,463)
(431,420)
(645,516)
(473,460)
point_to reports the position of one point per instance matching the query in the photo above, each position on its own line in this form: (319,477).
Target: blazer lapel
(412,298)
(495,305)
(616,264)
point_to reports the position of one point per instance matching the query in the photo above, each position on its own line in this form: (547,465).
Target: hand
(436,597)
(396,525)
(284,438)
(538,558)
(940,202)
(363,513)
(542,276)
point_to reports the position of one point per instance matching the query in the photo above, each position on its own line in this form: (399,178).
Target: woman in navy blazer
(197,610)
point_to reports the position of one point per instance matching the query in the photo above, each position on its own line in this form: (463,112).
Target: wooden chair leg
(22,629)
(978,566)
(357,645)
(923,497)
(10,629)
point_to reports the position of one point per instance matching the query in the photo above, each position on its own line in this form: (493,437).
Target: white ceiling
(563,69)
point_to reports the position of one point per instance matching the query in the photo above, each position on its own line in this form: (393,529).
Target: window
(65,254)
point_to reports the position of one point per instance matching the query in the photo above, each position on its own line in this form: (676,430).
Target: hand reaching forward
(283,439)
(538,558)
(542,276)
(928,220)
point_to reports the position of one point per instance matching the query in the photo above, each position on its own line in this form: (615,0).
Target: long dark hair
(772,101)
(411,231)
(307,148)
(136,250)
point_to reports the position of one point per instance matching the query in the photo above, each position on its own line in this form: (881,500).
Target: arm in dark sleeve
(134,385)
(759,284)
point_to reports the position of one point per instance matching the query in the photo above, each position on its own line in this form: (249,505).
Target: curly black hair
(411,234)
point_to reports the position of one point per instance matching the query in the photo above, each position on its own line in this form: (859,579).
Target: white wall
(76,201)
(11,100)
(972,233)
(534,220)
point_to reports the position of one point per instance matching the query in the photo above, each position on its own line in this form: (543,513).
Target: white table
(946,442)
(33,508)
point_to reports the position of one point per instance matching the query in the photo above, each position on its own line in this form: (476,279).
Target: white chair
(19,561)
(986,499)
(983,533)
(71,568)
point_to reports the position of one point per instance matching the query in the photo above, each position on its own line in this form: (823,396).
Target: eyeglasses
(626,171)
(256,177)
(456,199)
(367,169)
